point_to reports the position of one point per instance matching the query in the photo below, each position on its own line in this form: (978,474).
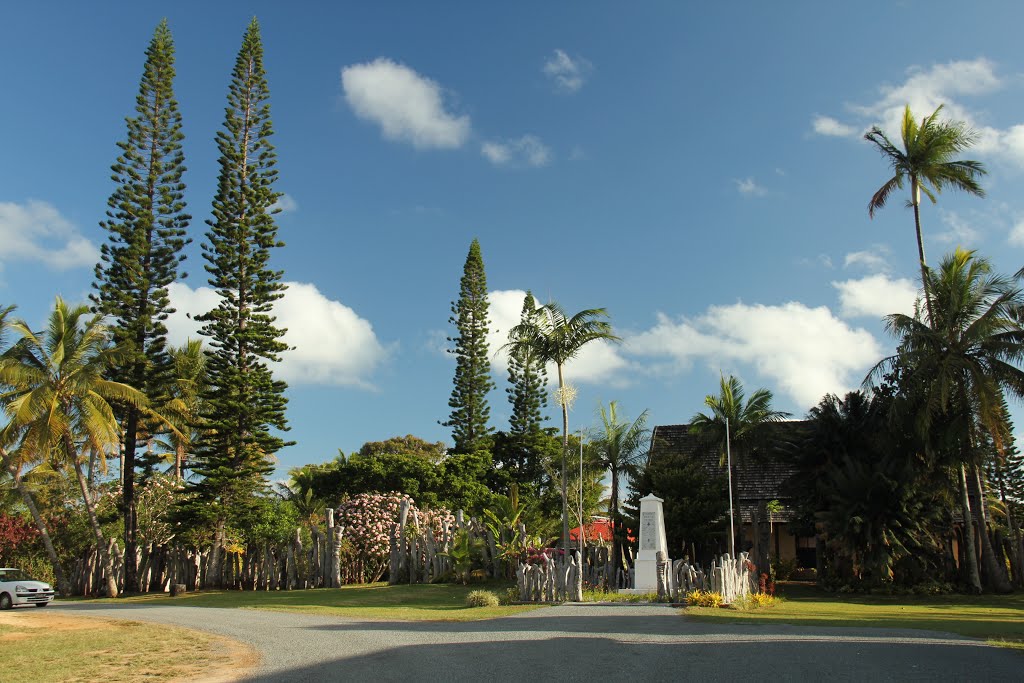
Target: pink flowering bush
(368,520)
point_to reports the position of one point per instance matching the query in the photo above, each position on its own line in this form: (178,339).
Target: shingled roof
(760,478)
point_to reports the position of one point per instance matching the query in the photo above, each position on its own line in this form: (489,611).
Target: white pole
(579,539)
(732,518)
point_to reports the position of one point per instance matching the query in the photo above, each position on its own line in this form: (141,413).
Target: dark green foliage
(244,402)
(470,412)
(520,460)
(463,481)
(405,445)
(146,225)
(861,473)
(528,375)
(455,481)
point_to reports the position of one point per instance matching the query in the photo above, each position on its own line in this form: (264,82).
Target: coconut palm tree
(60,400)
(961,365)
(554,337)
(741,422)
(619,446)
(184,403)
(11,436)
(928,161)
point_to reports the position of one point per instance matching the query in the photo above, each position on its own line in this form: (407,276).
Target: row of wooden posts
(419,553)
(268,566)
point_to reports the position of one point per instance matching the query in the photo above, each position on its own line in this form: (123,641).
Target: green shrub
(510,596)
(785,569)
(482,599)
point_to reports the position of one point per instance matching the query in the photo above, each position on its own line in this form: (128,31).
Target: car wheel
(5,601)
(42,604)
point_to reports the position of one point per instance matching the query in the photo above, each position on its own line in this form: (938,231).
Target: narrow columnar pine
(470,412)
(244,403)
(146,225)
(528,377)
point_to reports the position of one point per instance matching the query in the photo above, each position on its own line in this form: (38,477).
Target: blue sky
(698,171)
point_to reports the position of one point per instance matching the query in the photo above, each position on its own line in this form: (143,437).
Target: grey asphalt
(580,643)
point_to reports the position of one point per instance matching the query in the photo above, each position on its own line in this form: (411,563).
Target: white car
(18,588)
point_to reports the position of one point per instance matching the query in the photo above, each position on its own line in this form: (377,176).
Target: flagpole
(732,516)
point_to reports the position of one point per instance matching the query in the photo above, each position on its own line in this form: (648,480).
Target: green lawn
(438,602)
(998,619)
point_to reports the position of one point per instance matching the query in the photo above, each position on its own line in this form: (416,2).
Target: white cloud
(924,89)
(36,232)
(332,344)
(807,352)
(527,150)
(826,125)
(407,106)
(876,260)
(286,203)
(876,296)
(1016,237)
(749,188)
(568,74)
(958,230)
(599,361)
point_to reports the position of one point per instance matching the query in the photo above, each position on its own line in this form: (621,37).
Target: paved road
(580,643)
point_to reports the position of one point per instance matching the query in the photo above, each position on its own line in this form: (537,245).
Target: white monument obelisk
(652,539)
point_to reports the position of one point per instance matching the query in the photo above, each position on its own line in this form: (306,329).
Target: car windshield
(14,575)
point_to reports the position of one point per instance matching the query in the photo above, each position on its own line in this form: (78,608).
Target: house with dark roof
(762,477)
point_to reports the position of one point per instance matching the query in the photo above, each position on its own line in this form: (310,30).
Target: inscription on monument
(648,534)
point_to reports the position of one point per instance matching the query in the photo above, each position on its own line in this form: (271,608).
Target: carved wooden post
(577,584)
(662,572)
(336,556)
(328,547)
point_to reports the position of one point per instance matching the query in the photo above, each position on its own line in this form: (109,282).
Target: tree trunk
(915,199)
(970,555)
(613,518)
(565,450)
(128,507)
(58,572)
(994,573)
(108,565)
(1016,548)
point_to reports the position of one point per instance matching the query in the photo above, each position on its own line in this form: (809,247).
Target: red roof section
(599,529)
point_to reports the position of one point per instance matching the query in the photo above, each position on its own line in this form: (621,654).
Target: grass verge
(998,619)
(419,602)
(40,647)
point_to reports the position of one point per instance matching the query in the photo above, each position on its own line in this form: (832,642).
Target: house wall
(781,535)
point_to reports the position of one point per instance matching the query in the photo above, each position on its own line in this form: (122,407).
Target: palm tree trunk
(26,497)
(101,547)
(1017,550)
(613,519)
(970,554)
(565,449)
(179,458)
(994,573)
(915,199)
